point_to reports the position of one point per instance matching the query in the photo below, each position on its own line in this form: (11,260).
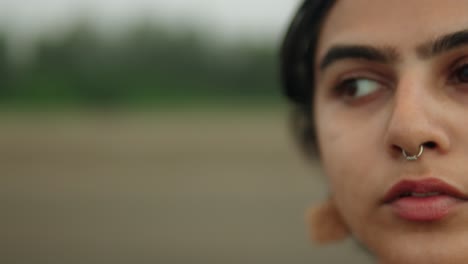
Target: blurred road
(225,187)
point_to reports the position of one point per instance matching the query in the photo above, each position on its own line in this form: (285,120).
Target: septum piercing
(414,157)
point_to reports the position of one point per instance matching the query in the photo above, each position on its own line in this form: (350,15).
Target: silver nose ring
(414,157)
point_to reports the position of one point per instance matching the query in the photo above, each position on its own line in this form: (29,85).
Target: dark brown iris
(462,74)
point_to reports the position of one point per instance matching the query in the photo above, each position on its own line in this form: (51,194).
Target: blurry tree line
(146,65)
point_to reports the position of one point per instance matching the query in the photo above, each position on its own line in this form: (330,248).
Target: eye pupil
(350,88)
(462,74)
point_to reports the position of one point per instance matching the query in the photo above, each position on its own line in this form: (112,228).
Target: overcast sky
(230,18)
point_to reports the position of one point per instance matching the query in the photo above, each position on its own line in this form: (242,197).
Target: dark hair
(297,58)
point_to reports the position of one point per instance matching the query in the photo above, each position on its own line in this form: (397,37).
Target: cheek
(346,160)
(343,163)
(346,153)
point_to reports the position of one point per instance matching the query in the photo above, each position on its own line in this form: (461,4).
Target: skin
(412,100)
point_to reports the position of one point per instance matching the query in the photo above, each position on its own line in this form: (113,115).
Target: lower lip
(424,209)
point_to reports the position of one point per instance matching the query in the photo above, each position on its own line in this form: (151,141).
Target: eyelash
(356,85)
(339,90)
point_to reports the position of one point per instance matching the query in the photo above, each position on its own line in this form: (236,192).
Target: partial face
(391,76)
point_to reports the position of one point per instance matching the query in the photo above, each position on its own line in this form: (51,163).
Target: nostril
(396,148)
(430,144)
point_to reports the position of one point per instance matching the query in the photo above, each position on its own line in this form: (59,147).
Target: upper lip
(431,185)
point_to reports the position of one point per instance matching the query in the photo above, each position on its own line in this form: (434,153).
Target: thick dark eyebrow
(343,52)
(443,44)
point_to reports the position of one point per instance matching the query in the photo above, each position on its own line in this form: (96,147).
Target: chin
(421,246)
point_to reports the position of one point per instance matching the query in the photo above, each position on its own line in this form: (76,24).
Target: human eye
(355,89)
(460,74)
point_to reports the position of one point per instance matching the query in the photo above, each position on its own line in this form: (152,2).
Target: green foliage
(145,66)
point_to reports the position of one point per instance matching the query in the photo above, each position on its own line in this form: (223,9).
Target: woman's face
(392,75)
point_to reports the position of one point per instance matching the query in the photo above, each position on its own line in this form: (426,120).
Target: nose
(415,120)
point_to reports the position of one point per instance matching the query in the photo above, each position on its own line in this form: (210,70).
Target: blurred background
(151,131)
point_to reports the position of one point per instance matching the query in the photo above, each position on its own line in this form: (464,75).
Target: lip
(428,208)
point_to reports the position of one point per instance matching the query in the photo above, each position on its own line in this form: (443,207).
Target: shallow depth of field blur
(151,132)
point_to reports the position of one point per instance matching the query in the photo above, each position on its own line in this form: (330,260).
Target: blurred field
(174,187)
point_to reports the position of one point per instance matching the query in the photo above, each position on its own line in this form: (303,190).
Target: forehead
(401,24)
